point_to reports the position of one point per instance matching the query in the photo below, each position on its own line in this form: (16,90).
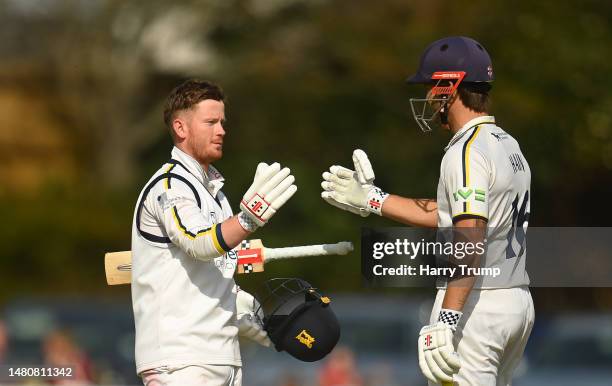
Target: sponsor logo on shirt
(466,194)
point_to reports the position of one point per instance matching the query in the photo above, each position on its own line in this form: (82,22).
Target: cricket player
(479,325)
(188,310)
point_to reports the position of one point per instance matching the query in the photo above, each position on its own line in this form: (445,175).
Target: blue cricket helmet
(455,53)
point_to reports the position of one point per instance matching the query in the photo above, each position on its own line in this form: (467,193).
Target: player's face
(204,131)
(435,105)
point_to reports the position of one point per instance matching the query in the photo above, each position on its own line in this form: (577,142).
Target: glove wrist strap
(450,317)
(247,222)
(376,198)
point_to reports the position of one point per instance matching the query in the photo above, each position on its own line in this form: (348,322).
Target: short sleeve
(466,178)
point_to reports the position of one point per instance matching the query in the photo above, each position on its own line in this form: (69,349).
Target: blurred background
(82,84)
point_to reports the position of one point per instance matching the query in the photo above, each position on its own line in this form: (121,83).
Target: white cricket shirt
(484,174)
(183,290)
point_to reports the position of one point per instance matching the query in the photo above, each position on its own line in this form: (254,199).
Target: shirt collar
(471,123)
(213,180)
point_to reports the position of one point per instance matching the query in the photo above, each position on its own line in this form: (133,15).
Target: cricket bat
(252,255)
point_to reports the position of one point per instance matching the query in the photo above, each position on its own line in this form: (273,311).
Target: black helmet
(455,53)
(298,319)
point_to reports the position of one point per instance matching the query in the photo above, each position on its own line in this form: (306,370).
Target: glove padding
(249,317)
(353,191)
(437,357)
(271,188)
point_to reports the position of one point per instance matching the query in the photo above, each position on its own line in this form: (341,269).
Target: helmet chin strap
(444,112)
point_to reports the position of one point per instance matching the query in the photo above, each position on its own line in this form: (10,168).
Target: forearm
(233,232)
(458,290)
(417,212)
(457,293)
(209,243)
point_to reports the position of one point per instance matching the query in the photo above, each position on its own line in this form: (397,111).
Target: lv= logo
(305,338)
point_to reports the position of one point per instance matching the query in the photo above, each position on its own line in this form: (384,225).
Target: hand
(353,191)
(249,316)
(437,357)
(271,188)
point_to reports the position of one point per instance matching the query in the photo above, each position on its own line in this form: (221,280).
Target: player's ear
(179,128)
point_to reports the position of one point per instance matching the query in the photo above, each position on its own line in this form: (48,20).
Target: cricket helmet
(446,64)
(451,54)
(298,319)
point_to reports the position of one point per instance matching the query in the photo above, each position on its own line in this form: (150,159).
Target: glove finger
(261,167)
(248,328)
(263,339)
(243,326)
(262,174)
(358,171)
(450,356)
(339,180)
(244,303)
(344,173)
(365,173)
(437,357)
(283,198)
(452,359)
(336,168)
(435,369)
(423,363)
(280,188)
(333,187)
(273,181)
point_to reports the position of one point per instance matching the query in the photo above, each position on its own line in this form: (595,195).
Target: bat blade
(250,256)
(118,267)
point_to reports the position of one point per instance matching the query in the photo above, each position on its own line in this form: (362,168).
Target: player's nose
(220,129)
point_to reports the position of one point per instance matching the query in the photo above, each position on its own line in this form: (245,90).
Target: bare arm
(233,232)
(421,212)
(458,290)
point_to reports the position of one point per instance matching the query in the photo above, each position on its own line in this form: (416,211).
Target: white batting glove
(271,188)
(353,191)
(249,316)
(437,357)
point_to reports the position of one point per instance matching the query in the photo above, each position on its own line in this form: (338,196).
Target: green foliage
(309,81)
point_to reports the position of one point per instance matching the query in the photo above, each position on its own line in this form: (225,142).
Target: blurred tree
(308,81)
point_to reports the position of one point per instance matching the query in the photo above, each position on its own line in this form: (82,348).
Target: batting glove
(353,190)
(437,357)
(271,188)
(249,316)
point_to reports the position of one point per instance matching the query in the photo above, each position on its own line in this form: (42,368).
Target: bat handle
(341,248)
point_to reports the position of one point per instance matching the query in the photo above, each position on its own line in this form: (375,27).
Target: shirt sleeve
(186,226)
(467,177)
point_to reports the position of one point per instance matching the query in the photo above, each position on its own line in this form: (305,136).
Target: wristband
(450,317)
(247,222)
(376,198)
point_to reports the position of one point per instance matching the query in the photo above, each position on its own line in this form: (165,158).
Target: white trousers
(200,375)
(491,335)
